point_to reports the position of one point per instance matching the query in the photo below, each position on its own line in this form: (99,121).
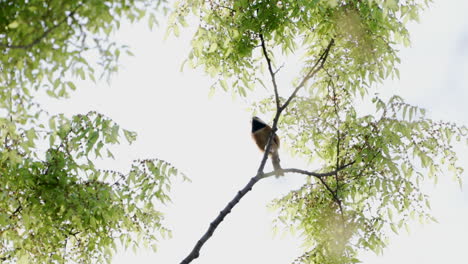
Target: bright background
(209,140)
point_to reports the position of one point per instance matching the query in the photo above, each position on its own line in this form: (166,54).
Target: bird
(260,133)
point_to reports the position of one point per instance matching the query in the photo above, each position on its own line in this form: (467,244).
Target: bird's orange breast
(261,138)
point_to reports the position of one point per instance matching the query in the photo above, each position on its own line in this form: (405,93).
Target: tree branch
(335,197)
(18,209)
(270,69)
(338,132)
(274,126)
(308,173)
(195,253)
(317,67)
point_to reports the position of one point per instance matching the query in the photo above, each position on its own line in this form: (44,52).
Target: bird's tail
(276,164)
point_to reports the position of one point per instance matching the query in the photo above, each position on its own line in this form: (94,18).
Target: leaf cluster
(45,44)
(227,42)
(395,150)
(61,200)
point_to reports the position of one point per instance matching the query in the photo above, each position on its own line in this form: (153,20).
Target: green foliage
(56,205)
(45,43)
(394,151)
(392,148)
(365,32)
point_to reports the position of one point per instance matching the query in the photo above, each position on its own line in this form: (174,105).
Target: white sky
(209,140)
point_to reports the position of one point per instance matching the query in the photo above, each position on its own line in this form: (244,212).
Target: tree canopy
(57,206)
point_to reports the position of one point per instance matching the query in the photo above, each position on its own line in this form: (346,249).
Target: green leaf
(71,85)
(223,84)
(93,137)
(130,136)
(13,24)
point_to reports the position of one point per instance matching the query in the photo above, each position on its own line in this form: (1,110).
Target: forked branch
(195,253)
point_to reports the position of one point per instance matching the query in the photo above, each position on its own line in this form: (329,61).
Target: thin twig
(316,68)
(270,69)
(279,68)
(308,173)
(338,133)
(334,195)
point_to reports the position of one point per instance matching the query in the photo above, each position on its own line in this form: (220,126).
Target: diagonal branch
(316,68)
(195,253)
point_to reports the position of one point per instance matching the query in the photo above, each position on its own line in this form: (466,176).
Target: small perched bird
(260,133)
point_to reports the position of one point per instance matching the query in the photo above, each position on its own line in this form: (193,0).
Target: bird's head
(257,123)
(257,119)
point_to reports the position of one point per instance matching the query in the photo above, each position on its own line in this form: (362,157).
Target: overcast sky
(209,140)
